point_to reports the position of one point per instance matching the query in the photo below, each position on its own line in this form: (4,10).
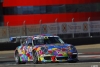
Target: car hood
(52,46)
(53,49)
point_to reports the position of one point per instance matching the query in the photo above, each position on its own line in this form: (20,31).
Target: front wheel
(35,58)
(73,61)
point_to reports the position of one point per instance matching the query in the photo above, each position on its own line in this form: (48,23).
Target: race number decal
(29,49)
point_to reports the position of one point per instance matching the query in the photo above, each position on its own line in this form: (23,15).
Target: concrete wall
(8,46)
(83,41)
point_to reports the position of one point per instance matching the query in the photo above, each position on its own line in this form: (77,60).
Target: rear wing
(17,39)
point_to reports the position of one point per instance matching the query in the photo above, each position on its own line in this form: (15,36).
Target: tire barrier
(74,41)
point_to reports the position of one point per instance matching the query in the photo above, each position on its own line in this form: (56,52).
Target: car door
(29,50)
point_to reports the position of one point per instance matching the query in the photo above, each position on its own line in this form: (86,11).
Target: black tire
(74,61)
(35,58)
(17,59)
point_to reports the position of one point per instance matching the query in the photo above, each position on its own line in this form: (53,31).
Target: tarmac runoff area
(79,47)
(90,46)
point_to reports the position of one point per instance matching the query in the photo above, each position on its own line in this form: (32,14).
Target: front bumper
(51,58)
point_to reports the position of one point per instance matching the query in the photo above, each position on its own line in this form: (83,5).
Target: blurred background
(67,19)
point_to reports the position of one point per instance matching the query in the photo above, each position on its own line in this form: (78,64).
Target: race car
(45,48)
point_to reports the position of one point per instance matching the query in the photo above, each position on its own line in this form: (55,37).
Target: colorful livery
(45,48)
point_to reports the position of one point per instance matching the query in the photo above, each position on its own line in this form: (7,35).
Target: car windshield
(47,40)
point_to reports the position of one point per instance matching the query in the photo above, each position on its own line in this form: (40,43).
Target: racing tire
(35,58)
(17,59)
(74,61)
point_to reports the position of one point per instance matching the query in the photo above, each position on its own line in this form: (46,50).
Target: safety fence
(64,29)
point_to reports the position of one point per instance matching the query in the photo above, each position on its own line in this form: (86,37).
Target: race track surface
(87,58)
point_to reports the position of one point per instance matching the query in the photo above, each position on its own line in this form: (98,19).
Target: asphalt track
(87,58)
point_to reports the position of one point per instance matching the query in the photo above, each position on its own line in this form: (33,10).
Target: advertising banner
(15,31)
(94,26)
(3,32)
(52,28)
(75,27)
(32,29)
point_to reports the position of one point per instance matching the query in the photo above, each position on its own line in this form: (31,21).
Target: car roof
(41,36)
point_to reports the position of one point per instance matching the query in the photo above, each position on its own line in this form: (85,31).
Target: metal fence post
(25,31)
(57,25)
(40,22)
(74,30)
(8,30)
(89,26)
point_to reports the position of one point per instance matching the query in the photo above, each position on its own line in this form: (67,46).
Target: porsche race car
(45,48)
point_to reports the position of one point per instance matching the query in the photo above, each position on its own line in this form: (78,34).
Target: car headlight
(71,47)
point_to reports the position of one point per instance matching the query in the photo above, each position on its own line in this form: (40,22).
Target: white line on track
(89,56)
(57,63)
(80,53)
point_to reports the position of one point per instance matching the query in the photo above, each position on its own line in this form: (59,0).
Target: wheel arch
(16,52)
(33,51)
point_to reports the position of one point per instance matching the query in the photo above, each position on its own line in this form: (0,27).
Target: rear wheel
(17,59)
